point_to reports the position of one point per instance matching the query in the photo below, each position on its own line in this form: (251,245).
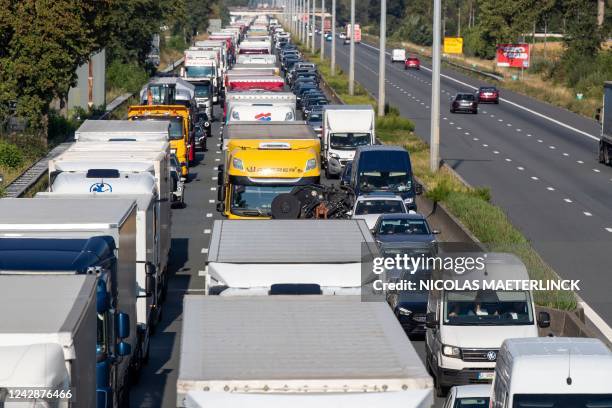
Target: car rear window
(465,97)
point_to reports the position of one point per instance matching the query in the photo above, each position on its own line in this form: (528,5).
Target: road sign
(453,45)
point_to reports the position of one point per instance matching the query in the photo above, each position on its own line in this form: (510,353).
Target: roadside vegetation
(471,205)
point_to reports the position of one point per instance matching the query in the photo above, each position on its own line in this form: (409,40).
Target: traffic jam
(307,196)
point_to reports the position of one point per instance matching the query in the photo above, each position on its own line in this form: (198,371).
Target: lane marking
(204,250)
(213,189)
(588,214)
(209,215)
(207,231)
(550,188)
(567,200)
(211,201)
(534,178)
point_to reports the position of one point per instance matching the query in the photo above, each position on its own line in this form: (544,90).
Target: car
(464,102)
(472,396)
(487,94)
(369,207)
(315,119)
(346,41)
(345,177)
(178,183)
(412,63)
(342,35)
(309,103)
(328,37)
(410,231)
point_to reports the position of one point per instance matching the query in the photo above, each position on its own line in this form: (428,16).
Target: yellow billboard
(453,45)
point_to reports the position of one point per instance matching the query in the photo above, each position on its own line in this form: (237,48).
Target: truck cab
(202,66)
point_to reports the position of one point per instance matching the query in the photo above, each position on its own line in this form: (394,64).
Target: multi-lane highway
(539,161)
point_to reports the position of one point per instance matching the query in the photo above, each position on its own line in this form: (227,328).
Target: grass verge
(470,205)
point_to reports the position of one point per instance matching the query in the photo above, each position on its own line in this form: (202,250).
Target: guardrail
(35,172)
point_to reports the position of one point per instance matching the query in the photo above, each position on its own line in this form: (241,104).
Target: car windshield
(202,91)
(255,200)
(483,89)
(315,117)
(348,141)
(384,181)
(379,207)
(391,226)
(176,125)
(487,307)
(473,402)
(562,400)
(465,97)
(200,72)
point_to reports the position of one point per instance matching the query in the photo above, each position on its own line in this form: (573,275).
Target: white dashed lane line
(207,231)
(588,214)
(567,200)
(550,188)
(608,229)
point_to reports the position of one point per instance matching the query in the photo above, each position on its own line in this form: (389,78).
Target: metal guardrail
(34,173)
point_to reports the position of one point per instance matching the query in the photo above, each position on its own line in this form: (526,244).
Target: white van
(398,55)
(465,329)
(559,372)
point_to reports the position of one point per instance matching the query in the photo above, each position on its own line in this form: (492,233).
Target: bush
(128,76)
(177,42)
(476,44)
(416,29)
(10,155)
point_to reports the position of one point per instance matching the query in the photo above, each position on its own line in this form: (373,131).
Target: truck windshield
(202,91)
(562,400)
(385,181)
(471,403)
(487,307)
(200,71)
(349,141)
(255,200)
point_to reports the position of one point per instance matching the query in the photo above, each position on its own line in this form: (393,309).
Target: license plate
(419,319)
(486,375)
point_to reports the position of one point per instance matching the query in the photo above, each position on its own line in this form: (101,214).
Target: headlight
(404,312)
(237,163)
(172,151)
(451,351)
(311,164)
(409,200)
(206,124)
(289,116)
(235,115)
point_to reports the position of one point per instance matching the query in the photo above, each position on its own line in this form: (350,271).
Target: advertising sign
(513,55)
(453,45)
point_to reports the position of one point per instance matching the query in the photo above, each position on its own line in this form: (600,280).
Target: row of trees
(43,42)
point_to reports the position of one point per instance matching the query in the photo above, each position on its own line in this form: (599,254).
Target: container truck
(201,68)
(122,131)
(297,351)
(256,59)
(357,33)
(321,255)
(248,98)
(552,372)
(605,142)
(46,237)
(345,127)
(251,82)
(263,160)
(251,46)
(55,336)
(255,69)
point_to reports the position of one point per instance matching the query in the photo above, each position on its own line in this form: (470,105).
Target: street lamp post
(381,58)
(434,148)
(351,84)
(333,44)
(312,27)
(322,29)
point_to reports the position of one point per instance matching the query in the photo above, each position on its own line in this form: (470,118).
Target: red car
(488,94)
(412,62)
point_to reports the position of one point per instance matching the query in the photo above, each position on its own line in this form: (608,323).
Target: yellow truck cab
(178,116)
(263,160)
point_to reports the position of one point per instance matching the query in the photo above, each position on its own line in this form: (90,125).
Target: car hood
(484,336)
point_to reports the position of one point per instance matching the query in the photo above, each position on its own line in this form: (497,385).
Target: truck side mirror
(598,114)
(221,194)
(124,349)
(543,319)
(418,188)
(102,298)
(431,321)
(123,325)
(150,279)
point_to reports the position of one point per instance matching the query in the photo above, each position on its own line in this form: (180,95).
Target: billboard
(453,45)
(513,55)
(327,24)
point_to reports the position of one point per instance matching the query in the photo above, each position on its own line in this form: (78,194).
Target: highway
(538,160)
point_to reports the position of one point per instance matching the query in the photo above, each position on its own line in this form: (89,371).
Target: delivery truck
(357,32)
(201,68)
(345,127)
(251,82)
(122,131)
(605,142)
(55,337)
(297,351)
(256,97)
(60,222)
(262,257)
(246,59)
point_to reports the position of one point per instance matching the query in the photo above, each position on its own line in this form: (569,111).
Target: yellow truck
(181,140)
(263,160)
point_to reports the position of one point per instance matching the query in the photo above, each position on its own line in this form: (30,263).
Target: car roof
(404,216)
(473,390)
(379,196)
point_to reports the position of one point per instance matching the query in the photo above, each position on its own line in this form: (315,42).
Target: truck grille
(479,355)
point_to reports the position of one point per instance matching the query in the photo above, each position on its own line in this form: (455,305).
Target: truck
(202,72)
(299,351)
(250,82)
(263,160)
(252,68)
(52,338)
(357,33)
(398,55)
(214,24)
(276,103)
(250,46)
(76,237)
(345,127)
(256,59)
(311,260)
(122,131)
(605,141)
(552,372)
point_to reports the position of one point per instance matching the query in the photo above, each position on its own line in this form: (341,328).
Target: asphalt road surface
(539,161)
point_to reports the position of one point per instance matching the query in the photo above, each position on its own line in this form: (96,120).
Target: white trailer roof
(349,118)
(120,146)
(127,183)
(268,130)
(32,214)
(319,342)
(143,201)
(290,241)
(18,361)
(104,130)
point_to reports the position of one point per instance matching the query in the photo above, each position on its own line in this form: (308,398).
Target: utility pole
(351,84)
(312,27)
(459,20)
(381,57)
(305,22)
(333,44)
(434,144)
(322,29)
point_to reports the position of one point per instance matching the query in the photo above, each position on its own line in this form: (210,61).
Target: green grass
(471,206)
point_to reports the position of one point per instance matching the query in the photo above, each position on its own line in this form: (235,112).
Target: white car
(472,396)
(369,207)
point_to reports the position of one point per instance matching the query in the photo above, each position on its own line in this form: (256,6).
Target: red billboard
(327,24)
(513,55)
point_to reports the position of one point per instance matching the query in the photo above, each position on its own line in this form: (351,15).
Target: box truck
(605,142)
(258,97)
(297,351)
(345,127)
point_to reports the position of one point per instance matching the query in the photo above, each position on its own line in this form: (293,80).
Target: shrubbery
(10,155)
(126,76)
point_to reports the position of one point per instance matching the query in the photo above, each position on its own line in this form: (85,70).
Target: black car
(464,102)
(301,81)
(409,306)
(410,230)
(345,178)
(315,119)
(310,103)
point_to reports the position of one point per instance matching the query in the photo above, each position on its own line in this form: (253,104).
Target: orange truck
(181,140)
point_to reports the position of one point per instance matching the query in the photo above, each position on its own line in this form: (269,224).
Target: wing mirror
(543,319)
(431,321)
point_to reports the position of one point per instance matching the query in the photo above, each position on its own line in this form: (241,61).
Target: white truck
(270,106)
(256,59)
(202,67)
(345,127)
(297,351)
(122,131)
(251,46)
(255,69)
(398,55)
(269,256)
(552,372)
(77,237)
(51,340)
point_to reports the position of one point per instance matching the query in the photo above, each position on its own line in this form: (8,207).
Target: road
(538,160)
